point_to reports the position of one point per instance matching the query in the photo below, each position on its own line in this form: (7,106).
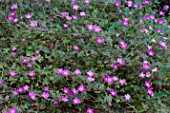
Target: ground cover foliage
(93,56)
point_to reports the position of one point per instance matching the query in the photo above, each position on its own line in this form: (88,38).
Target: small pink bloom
(150,52)
(14,7)
(12,13)
(90,27)
(97,29)
(64,98)
(121,61)
(66,73)
(76,101)
(122,81)
(147,1)
(91,79)
(148,84)
(90,73)
(65,25)
(115,78)
(148,74)
(33,23)
(32,95)
(155,69)
(90,110)
(108,79)
(87,1)
(34,58)
(26,88)
(142,75)
(127,97)
(12,110)
(81,88)
(46,88)
(31,73)
(117,3)
(82,14)
(146,65)
(129,3)
(66,90)
(75,7)
(47,0)
(13,73)
(60,70)
(113,92)
(55,101)
(45,95)
(115,66)
(75,47)
(153,40)
(15,20)
(166,7)
(28,16)
(75,17)
(123,45)
(100,40)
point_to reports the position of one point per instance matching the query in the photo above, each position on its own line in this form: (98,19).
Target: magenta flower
(121,61)
(147,1)
(23,39)
(166,7)
(60,70)
(13,54)
(90,73)
(81,88)
(161,13)
(150,52)
(155,69)
(26,88)
(33,23)
(14,7)
(90,27)
(162,44)
(10,18)
(32,95)
(20,90)
(153,40)
(142,75)
(87,1)
(28,16)
(66,73)
(76,101)
(100,40)
(117,3)
(148,74)
(115,66)
(34,58)
(66,90)
(115,78)
(123,45)
(75,7)
(1,82)
(122,81)
(74,90)
(55,101)
(65,25)
(91,79)
(148,84)
(129,3)
(145,31)
(12,110)
(47,0)
(15,92)
(108,79)
(75,47)
(150,28)
(97,29)
(45,95)
(113,92)
(68,17)
(82,14)
(90,110)
(15,20)
(64,98)
(127,97)
(13,73)
(150,92)
(12,13)
(31,73)
(29,64)
(74,17)
(146,65)
(77,72)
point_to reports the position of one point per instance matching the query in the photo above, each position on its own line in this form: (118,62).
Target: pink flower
(12,13)
(113,92)
(14,6)
(162,44)
(166,7)
(122,81)
(75,47)
(150,52)
(23,39)
(117,3)
(148,74)
(1,82)
(46,88)
(153,40)
(77,72)
(97,29)
(115,66)
(26,88)
(90,110)
(161,13)
(33,23)
(147,1)
(76,101)
(47,0)
(108,79)
(66,90)
(146,65)
(13,54)
(15,92)
(123,45)
(29,64)
(81,88)
(60,70)
(142,75)
(100,40)
(129,3)
(87,1)
(12,110)
(75,17)
(66,73)
(75,7)
(127,97)
(150,28)
(32,95)
(150,92)
(91,79)
(121,61)
(10,18)
(15,20)
(90,73)
(82,14)
(20,90)
(64,98)
(34,58)
(28,16)
(55,101)
(13,73)
(155,69)
(115,78)
(45,95)
(31,73)
(37,51)
(90,27)
(148,84)
(65,25)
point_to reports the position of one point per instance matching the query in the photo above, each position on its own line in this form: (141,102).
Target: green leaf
(164,70)
(158,95)
(127,11)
